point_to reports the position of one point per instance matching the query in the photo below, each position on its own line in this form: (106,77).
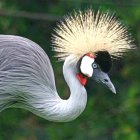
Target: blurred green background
(107,116)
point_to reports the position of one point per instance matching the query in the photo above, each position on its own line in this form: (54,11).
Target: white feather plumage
(86,32)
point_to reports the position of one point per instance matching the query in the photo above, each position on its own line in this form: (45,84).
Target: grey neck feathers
(59,110)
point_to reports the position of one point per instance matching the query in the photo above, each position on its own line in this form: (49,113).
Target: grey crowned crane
(85,41)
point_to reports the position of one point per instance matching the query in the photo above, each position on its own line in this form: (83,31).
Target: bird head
(94,38)
(96,67)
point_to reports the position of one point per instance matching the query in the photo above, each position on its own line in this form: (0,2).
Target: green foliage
(107,116)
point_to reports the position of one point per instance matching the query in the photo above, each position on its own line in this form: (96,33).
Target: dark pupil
(94,65)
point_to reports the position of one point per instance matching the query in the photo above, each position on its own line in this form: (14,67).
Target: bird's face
(102,77)
(96,68)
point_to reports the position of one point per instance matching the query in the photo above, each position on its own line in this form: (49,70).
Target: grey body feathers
(24,68)
(27,81)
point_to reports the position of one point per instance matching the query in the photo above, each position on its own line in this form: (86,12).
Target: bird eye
(94,65)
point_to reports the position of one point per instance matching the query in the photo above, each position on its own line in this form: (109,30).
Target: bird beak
(102,77)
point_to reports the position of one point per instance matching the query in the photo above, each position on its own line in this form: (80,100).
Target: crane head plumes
(99,34)
(88,31)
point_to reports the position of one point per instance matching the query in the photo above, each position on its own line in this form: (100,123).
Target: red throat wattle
(82,79)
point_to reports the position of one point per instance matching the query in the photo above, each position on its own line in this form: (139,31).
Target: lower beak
(110,85)
(104,79)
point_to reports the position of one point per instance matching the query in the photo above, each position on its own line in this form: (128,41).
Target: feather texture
(27,81)
(24,68)
(86,32)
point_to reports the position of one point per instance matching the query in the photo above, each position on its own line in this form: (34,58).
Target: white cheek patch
(86,66)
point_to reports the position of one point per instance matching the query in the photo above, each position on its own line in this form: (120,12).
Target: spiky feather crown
(89,32)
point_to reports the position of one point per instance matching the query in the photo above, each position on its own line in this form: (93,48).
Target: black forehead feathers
(103,59)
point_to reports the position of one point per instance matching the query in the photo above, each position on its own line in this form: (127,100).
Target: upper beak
(103,78)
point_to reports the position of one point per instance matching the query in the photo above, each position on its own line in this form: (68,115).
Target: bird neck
(67,110)
(76,103)
(52,107)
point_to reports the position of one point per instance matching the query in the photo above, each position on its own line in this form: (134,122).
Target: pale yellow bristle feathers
(89,32)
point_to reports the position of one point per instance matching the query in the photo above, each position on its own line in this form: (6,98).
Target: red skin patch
(90,55)
(82,79)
